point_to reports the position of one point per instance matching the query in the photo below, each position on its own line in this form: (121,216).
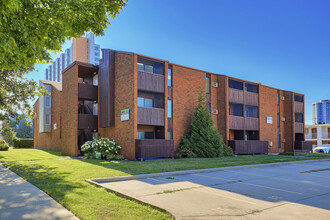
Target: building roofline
(79,64)
(161,60)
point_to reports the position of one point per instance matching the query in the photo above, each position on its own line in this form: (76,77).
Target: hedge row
(23,143)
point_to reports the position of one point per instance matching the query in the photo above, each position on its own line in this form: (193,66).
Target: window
(299,117)
(95,111)
(169,108)
(148,68)
(209,107)
(145,67)
(169,76)
(235,84)
(95,80)
(298,98)
(145,135)
(87,45)
(87,53)
(145,102)
(251,111)
(279,141)
(47,119)
(87,40)
(236,109)
(251,88)
(208,84)
(47,101)
(140,66)
(87,57)
(169,135)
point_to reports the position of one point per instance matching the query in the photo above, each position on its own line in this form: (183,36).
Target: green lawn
(28,154)
(64,180)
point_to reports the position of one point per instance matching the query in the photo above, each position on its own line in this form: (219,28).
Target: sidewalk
(20,199)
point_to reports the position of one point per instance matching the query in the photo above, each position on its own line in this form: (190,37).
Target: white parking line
(267,187)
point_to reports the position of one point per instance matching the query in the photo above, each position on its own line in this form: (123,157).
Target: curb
(96,181)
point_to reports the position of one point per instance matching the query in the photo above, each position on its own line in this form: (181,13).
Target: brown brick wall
(222,107)
(287,128)
(214,99)
(268,108)
(70,111)
(124,132)
(49,140)
(187,83)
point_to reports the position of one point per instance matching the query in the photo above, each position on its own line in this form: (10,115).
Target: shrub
(105,146)
(23,143)
(227,151)
(203,140)
(3,145)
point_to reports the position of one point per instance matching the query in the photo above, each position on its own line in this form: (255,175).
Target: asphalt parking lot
(276,191)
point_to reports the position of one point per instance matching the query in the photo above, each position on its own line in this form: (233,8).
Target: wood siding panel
(106,89)
(251,98)
(236,96)
(150,116)
(249,147)
(251,124)
(299,107)
(154,148)
(86,91)
(151,82)
(236,122)
(87,121)
(299,127)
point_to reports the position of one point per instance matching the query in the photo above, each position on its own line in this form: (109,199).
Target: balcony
(299,127)
(87,121)
(87,91)
(243,97)
(243,123)
(249,147)
(151,82)
(299,107)
(151,116)
(303,145)
(236,96)
(148,148)
(251,98)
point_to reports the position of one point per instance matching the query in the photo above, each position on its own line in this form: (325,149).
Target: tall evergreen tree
(203,140)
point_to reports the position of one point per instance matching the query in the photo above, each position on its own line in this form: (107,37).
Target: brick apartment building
(146,104)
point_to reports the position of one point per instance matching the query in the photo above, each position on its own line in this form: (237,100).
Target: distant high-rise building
(82,49)
(321,112)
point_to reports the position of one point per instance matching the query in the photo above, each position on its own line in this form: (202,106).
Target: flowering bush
(104,146)
(3,145)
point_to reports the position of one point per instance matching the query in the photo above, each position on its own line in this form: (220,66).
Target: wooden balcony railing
(151,116)
(87,91)
(87,121)
(303,145)
(299,127)
(159,148)
(299,107)
(151,82)
(249,147)
(243,123)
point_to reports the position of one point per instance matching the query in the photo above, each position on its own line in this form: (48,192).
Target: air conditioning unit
(215,84)
(215,111)
(283,119)
(282,98)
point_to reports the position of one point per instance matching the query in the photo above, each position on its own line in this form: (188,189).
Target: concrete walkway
(20,199)
(288,191)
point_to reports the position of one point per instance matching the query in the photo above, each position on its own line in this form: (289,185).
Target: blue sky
(282,43)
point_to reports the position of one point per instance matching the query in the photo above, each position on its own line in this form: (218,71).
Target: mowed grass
(28,154)
(64,180)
